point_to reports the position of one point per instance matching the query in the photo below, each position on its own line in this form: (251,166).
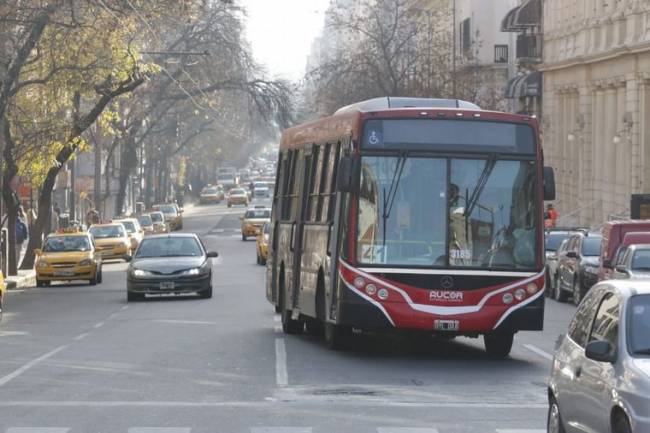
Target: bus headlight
(359,282)
(383,294)
(371,289)
(531,288)
(507,298)
(520,294)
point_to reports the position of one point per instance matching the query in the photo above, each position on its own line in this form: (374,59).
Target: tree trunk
(9,196)
(128,162)
(42,221)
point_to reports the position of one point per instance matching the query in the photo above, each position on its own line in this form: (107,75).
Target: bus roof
(347,120)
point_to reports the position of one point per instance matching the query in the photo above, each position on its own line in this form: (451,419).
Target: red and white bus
(410,215)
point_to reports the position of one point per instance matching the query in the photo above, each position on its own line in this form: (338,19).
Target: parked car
(600,373)
(553,239)
(237,196)
(170,264)
(159,223)
(578,266)
(173,215)
(613,234)
(634,264)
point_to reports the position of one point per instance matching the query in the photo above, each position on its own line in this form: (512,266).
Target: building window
(500,54)
(465,35)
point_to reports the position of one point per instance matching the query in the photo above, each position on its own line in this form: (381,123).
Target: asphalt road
(75,358)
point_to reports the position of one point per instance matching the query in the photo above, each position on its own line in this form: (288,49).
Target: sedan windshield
(169,247)
(61,244)
(591,246)
(554,240)
(641,260)
(413,211)
(145,220)
(638,319)
(237,192)
(167,209)
(157,217)
(102,232)
(258,214)
(129,225)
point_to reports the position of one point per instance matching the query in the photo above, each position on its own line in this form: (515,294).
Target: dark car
(552,240)
(577,267)
(170,264)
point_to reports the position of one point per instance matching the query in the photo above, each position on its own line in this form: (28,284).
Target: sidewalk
(26,278)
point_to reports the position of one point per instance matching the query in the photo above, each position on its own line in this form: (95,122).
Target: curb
(21,281)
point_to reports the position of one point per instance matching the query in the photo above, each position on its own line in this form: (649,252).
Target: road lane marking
(81,336)
(539,351)
(124,307)
(185,322)
(406,430)
(277,318)
(274,403)
(98,325)
(160,430)
(281,429)
(13,333)
(520,430)
(281,374)
(278,329)
(37,430)
(5,379)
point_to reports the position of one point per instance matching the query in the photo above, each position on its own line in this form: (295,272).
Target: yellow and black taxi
(146,223)
(159,224)
(237,196)
(173,215)
(68,255)
(3,290)
(112,241)
(263,244)
(133,230)
(253,220)
(211,195)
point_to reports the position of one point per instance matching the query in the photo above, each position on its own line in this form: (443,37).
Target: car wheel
(498,345)
(134,297)
(577,292)
(259,259)
(42,283)
(100,277)
(243,237)
(559,294)
(229,205)
(554,419)
(206,294)
(93,281)
(263,261)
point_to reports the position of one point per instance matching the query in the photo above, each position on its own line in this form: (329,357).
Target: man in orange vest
(550,216)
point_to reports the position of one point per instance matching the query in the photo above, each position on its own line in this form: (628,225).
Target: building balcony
(529,49)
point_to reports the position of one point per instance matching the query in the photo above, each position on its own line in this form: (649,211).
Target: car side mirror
(38,251)
(128,258)
(621,269)
(572,254)
(549,183)
(601,351)
(212,254)
(607,263)
(346,174)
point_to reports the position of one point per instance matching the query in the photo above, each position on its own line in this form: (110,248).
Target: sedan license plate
(166,285)
(446,325)
(63,273)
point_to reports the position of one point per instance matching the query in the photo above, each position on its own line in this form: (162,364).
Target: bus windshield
(442,212)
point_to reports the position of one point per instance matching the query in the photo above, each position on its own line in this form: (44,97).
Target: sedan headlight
(85,262)
(591,269)
(141,273)
(193,271)
(42,264)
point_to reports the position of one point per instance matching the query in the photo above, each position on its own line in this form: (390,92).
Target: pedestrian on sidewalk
(22,232)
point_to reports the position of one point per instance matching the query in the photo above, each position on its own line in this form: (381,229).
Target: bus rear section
(438,229)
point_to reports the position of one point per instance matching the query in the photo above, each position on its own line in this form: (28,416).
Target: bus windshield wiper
(389,200)
(480,184)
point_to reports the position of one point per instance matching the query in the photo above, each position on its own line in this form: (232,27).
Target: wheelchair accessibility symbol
(374,139)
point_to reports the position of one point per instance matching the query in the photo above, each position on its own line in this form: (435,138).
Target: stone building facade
(596,105)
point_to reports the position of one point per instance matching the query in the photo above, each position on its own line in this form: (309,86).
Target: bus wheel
(314,327)
(498,345)
(336,337)
(289,325)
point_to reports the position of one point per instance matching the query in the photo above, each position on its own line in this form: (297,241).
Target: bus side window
(312,199)
(289,170)
(323,181)
(331,187)
(295,184)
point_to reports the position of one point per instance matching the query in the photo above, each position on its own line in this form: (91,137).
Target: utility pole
(453,60)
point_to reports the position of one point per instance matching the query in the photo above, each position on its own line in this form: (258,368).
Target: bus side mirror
(549,183)
(346,174)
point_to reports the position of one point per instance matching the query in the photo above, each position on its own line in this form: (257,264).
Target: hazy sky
(281,33)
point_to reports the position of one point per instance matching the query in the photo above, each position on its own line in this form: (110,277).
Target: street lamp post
(453,61)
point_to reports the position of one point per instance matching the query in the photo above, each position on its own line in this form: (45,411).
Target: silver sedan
(600,376)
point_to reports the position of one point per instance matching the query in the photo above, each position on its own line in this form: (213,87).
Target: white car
(600,375)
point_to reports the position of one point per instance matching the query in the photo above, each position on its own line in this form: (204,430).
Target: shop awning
(524,85)
(528,14)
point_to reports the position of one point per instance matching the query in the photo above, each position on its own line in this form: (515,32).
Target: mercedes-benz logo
(447,282)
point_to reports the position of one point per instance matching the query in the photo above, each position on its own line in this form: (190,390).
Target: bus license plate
(446,325)
(166,285)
